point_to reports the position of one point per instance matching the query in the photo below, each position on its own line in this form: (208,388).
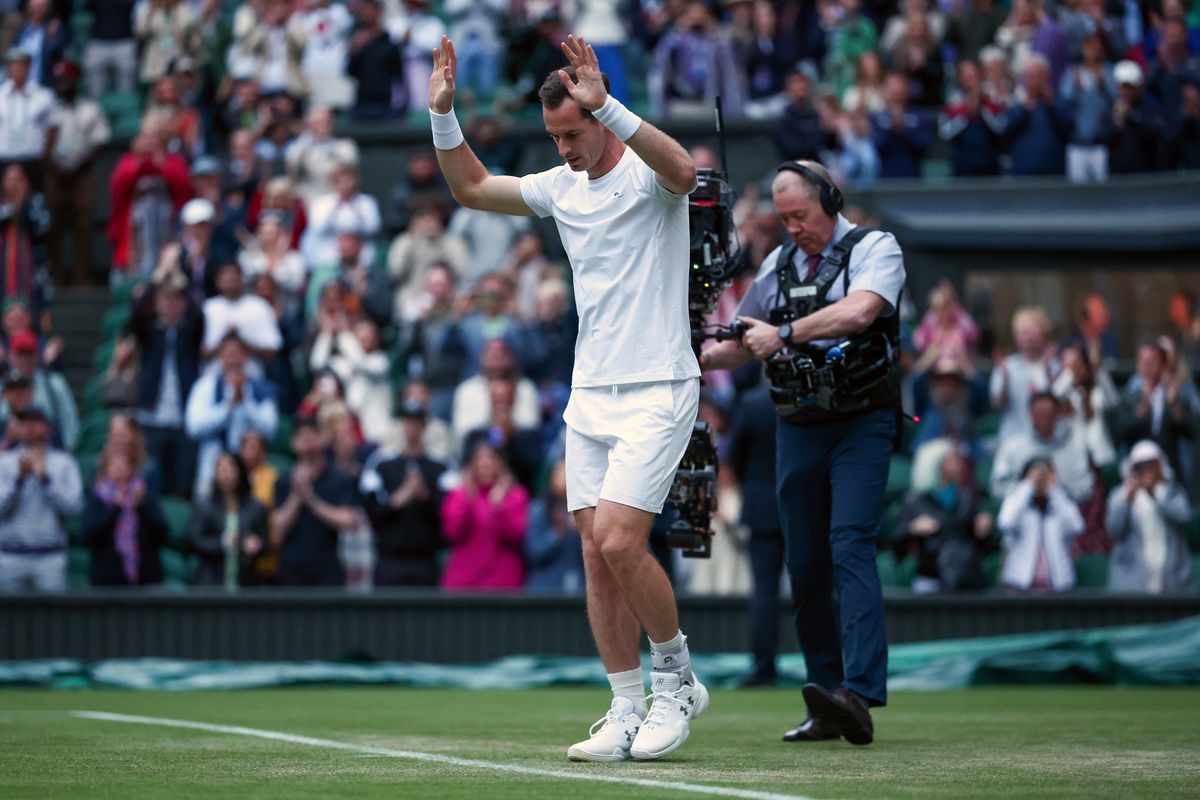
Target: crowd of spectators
(357,390)
(1072,454)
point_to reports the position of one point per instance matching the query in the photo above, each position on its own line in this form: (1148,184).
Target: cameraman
(832,462)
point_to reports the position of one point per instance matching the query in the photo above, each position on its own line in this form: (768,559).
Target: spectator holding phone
(1038,522)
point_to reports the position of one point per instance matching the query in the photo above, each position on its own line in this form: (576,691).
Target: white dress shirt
(26,116)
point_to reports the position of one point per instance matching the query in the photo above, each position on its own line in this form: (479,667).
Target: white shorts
(624,443)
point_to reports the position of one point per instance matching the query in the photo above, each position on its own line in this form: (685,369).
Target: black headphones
(832,200)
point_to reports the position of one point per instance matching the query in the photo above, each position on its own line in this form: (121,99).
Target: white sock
(672,656)
(629,684)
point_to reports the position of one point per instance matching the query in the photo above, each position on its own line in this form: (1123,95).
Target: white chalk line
(436,758)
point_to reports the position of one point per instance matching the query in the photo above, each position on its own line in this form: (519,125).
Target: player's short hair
(554,92)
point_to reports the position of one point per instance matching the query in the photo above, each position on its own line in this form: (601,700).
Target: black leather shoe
(813,729)
(842,710)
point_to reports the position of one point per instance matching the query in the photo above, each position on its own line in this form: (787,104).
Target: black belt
(22,550)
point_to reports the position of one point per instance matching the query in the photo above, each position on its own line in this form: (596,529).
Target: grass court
(387,742)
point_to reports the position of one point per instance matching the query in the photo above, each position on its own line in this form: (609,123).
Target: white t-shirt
(627,239)
(326,34)
(249,315)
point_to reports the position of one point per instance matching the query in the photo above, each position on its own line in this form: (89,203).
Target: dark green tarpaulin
(1142,655)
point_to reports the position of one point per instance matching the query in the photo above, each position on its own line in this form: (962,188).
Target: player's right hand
(441,81)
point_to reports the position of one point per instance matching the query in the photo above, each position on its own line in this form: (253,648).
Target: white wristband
(617,118)
(446,133)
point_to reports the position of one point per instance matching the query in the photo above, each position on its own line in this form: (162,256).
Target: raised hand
(441,81)
(588,87)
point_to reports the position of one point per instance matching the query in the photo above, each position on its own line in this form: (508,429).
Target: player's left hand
(761,338)
(588,87)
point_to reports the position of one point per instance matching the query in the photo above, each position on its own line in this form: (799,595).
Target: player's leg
(614,627)
(652,424)
(620,534)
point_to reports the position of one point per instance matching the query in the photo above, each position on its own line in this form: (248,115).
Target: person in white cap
(195,248)
(1137,128)
(1148,516)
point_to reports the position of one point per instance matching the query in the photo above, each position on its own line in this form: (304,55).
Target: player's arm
(469,181)
(673,167)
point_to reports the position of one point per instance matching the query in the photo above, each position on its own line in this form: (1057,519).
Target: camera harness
(858,374)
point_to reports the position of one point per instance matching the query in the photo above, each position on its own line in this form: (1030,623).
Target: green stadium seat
(1111,476)
(113,321)
(280,462)
(126,124)
(89,463)
(281,442)
(899,478)
(79,563)
(989,425)
(1091,571)
(178,513)
(983,475)
(122,293)
(991,566)
(116,104)
(92,400)
(81,25)
(889,520)
(177,567)
(93,432)
(1193,534)
(895,575)
(102,357)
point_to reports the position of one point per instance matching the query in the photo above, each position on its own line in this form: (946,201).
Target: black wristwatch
(785,332)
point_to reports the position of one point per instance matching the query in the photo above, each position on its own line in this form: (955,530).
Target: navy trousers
(831,479)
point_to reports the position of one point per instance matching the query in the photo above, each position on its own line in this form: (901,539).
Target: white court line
(437,758)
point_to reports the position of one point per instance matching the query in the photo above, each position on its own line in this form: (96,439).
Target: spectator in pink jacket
(483,521)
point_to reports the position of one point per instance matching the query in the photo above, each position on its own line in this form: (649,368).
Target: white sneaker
(611,742)
(676,703)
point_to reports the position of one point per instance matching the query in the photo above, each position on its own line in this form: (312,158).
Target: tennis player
(620,204)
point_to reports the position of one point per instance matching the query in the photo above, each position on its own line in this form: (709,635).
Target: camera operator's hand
(761,338)
(441,81)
